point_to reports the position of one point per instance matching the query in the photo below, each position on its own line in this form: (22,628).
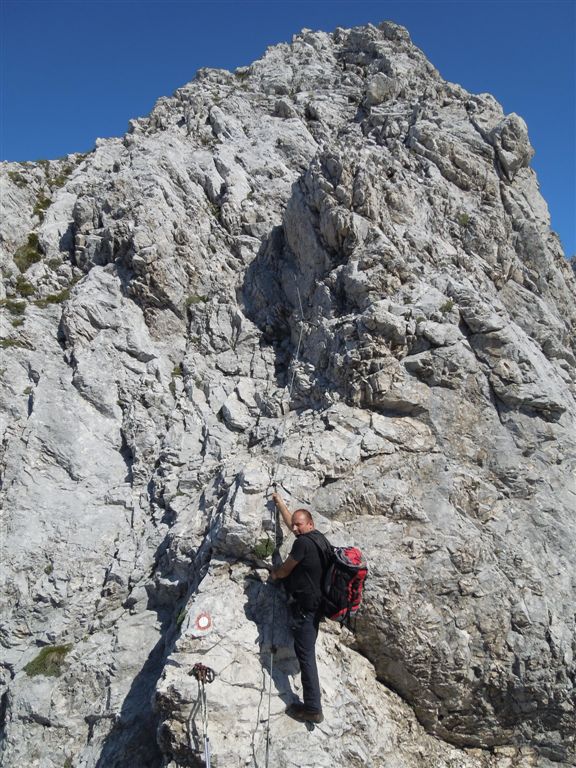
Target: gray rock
(380,88)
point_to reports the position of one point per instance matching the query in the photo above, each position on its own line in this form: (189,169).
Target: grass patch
(17,178)
(49,661)
(53,298)
(42,203)
(28,254)
(215,209)
(180,618)
(8,343)
(264,548)
(13,306)
(44,164)
(54,262)
(176,371)
(17,322)
(61,178)
(447,306)
(195,299)
(463,220)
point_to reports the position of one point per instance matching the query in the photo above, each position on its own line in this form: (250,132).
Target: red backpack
(345,572)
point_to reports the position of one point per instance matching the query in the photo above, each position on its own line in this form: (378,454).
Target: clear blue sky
(74,70)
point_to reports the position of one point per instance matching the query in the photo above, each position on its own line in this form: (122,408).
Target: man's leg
(305,628)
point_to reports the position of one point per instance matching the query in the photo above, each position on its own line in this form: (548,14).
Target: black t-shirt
(304,583)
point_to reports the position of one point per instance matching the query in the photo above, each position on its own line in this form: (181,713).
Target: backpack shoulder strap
(323,546)
(325,553)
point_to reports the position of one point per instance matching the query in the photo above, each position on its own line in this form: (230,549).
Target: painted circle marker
(203,621)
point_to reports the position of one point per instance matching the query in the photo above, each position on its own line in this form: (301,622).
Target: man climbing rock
(302,571)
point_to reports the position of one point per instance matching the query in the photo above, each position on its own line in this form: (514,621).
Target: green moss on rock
(49,661)
(264,548)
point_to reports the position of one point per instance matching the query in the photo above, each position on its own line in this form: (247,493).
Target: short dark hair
(305,512)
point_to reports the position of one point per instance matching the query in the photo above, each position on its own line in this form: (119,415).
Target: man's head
(302,522)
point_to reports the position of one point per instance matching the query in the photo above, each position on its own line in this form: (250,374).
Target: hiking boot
(303,715)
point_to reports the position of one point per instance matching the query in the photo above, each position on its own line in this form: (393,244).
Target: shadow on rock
(132,741)
(267,608)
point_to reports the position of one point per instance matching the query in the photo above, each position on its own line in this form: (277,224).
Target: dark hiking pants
(305,630)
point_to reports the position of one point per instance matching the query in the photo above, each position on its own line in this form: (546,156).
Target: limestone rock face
(331,270)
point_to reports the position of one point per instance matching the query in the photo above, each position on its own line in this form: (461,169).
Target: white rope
(275,527)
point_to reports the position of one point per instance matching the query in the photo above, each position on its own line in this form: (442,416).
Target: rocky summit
(331,270)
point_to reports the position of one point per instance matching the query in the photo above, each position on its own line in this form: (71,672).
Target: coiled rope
(273,483)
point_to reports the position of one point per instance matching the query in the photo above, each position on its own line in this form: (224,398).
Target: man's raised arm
(284,511)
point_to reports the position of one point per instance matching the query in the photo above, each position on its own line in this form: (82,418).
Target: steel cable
(273,483)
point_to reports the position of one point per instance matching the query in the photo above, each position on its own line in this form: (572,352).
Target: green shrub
(264,548)
(463,220)
(17,178)
(58,298)
(180,618)
(49,661)
(54,263)
(28,254)
(23,287)
(17,322)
